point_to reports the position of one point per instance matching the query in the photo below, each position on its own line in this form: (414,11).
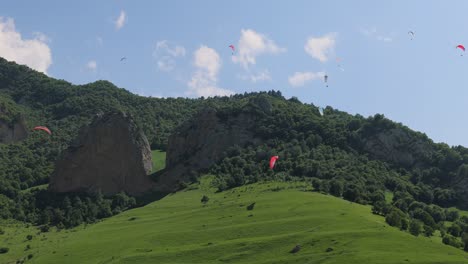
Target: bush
(30,256)
(4,250)
(44,228)
(415,227)
(428,231)
(29,237)
(205,199)
(251,206)
(451,241)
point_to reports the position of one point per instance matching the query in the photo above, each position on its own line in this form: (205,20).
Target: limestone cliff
(202,141)
(13,132)
(397,146)
(111,154)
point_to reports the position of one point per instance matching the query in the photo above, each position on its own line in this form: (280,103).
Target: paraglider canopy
(461,47)
(273,161)
(43,128)
(123,58)
(233,48)
(320,110)
(411,33)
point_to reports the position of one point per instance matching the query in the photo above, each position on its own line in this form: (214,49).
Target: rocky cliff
(398,147)
(202,141)
(111,154)
(13,132)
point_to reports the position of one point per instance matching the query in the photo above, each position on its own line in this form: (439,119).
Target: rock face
(10,133)
(201,142)
(396,146)
(111,155)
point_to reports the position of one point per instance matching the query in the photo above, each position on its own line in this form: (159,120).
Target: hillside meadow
(181,229)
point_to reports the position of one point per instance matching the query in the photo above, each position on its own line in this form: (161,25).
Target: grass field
(159,160)
(180,229)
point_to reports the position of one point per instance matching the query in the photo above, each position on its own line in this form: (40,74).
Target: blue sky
(180,48)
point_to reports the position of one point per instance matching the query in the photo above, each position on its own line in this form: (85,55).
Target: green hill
(403,174)
(180,229)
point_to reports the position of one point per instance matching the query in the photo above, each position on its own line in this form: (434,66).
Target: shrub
(4,250)
(205,199)
(451,241)
(415,227)
(251,206)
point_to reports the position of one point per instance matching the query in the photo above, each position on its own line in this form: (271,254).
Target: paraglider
(320,109)
(233,48)
(325,78)
(461,47)
(411,33)
(273,161)
(43,128)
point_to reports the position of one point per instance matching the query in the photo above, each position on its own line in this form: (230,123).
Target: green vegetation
(159,160)
(180,229)
(337,153)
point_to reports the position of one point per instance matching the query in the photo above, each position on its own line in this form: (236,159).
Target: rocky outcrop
(397,146)
(202,141)
(13,132)
(111,154)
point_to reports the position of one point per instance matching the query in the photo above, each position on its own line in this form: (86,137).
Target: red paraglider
(233,48)
(462,48)
(43,128)
(273,161)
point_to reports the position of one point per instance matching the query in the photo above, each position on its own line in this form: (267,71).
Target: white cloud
(300,78)
(321,47)
(259,77)
(34,53)
(92,65)
(205,78)
(165,54)
(120,22)
(252,44)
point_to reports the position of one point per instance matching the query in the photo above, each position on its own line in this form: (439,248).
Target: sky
(181,49)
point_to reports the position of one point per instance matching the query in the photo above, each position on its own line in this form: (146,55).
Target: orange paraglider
(43,128)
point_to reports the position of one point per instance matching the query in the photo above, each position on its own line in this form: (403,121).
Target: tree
(451,240)
(425,217)
(455,230)
(395,217)
(415,227)
(205,199)
(452,215)
(428,231)
(465,241)
(336,187)
(381,208)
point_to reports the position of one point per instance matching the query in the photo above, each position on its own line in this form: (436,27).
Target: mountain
(363,160)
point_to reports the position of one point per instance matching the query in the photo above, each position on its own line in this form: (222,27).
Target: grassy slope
(180,229)
(159,160)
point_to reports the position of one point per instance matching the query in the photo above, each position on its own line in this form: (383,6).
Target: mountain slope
(180,229)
